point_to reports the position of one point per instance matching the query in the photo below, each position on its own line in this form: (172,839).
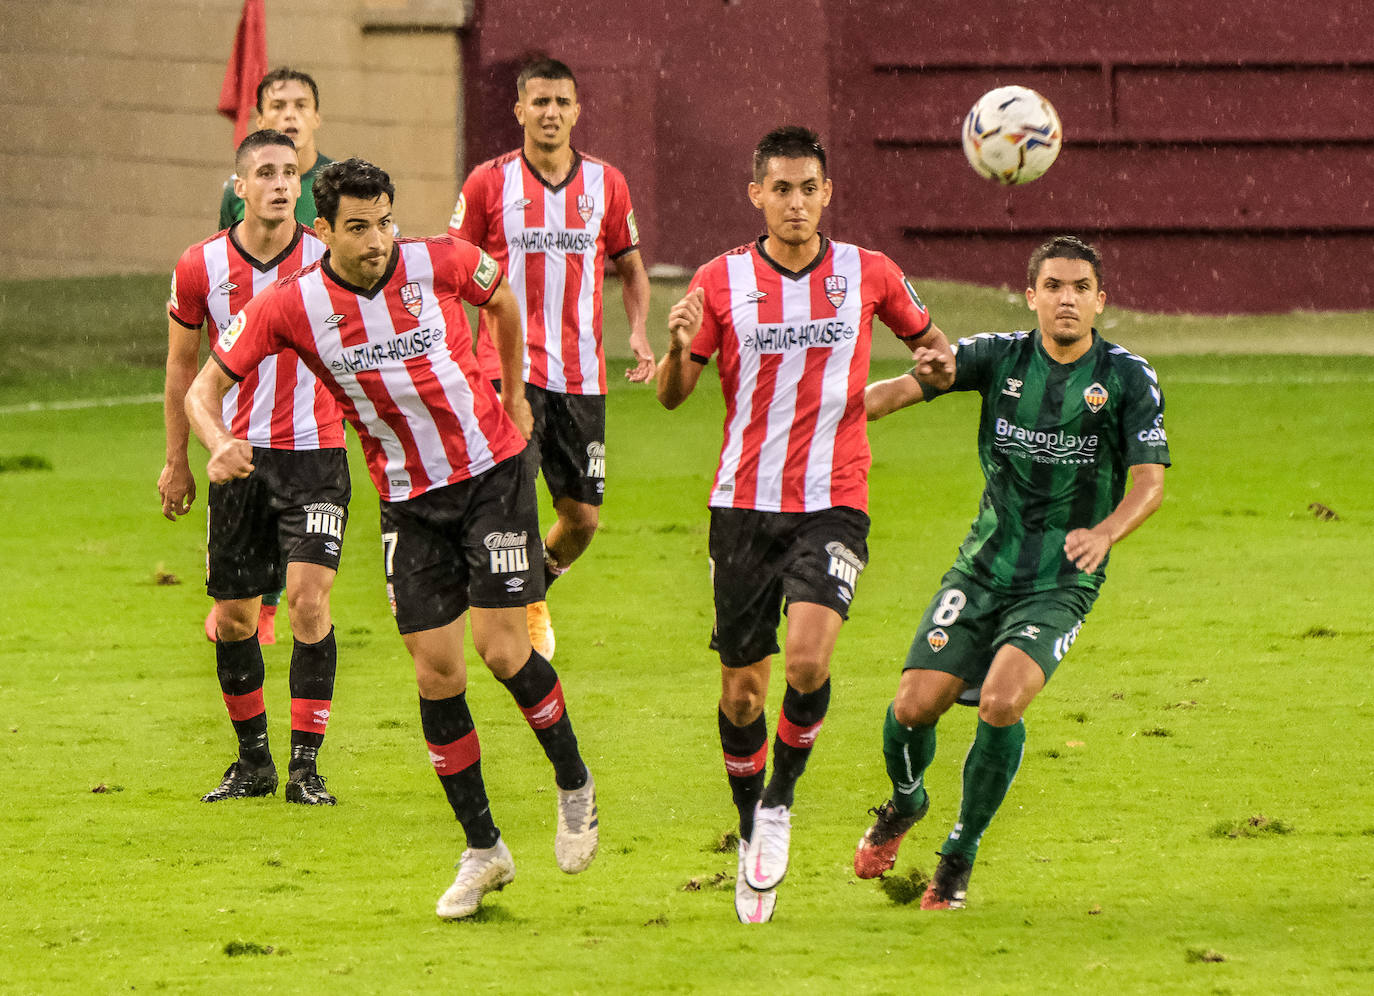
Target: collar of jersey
(793,274)
(272,263)
(576,165)
(376,288)
(1040,345)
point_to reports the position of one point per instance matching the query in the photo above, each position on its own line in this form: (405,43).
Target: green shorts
(966,624)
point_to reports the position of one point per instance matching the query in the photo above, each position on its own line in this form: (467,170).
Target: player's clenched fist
(933,366)
(684,321)
(231,459)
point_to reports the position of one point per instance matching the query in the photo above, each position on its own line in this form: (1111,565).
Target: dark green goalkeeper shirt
(1055,442)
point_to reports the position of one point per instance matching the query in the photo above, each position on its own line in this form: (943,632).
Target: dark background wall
(1221,154)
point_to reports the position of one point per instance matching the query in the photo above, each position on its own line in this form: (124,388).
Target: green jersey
(1055,442)
(231,207)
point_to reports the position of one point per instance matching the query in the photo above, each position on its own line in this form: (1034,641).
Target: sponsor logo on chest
(1044,445)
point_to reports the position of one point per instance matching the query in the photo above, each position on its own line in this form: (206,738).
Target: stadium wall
(112,158)
(1220,153)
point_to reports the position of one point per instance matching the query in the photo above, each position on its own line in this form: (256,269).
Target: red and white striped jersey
(794,351)
(279,404)
(553,243)
(398,359)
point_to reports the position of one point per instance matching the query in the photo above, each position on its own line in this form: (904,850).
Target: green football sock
(908,751)
(988,772)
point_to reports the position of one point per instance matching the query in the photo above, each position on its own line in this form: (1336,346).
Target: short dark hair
(544,68)
(285,74)
(1064,247)
(257,140)
(787,142)
(350,178)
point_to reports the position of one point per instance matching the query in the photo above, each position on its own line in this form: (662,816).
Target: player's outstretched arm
(634,290)
(883,397)
(229,457)
(1087,548)
(931,365)
(176,485)
(677,373)
(502,313)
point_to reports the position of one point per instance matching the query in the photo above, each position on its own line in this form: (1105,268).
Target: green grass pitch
(1194,813)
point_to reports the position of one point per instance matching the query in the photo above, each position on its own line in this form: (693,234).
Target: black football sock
(312,694)
(798,725)
(539,694)
(240,670)
(746,755)
(457,759)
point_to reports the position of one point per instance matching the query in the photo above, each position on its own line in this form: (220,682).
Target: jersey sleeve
(186,301)
(974,359)
(900,307)
(469,220)
(255,333)
(1142,416)
(622,234)
(707,339)
(475,275)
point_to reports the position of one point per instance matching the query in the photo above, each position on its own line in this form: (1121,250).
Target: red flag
(238,97)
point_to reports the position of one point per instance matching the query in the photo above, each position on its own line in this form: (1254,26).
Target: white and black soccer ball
(1012,135)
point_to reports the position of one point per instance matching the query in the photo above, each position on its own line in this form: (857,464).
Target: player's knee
(741,709)
(915,713)
(309,610)
(998,710)
(807,673)
(742,699)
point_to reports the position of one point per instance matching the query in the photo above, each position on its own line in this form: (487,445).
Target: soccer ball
(1012,135)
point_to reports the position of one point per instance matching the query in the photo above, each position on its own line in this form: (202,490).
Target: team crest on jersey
(836,287)
(487,273)
(1095,396)
(412,298)
(937,638)
(585,206)
(231,334)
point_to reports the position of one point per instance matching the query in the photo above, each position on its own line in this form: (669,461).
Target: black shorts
(474,543)
(292,508)
(761,561)
(569,443)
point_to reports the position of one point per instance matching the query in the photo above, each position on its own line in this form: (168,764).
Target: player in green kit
(288,102)
(1066,418)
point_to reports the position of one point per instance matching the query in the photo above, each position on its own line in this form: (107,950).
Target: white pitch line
(80,403)
(1225,380)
